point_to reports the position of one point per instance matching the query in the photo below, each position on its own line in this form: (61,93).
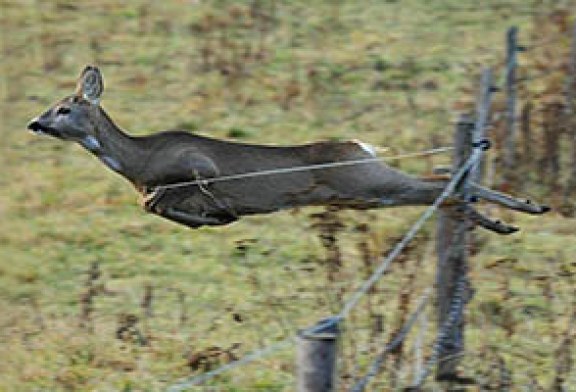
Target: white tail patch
(370,149)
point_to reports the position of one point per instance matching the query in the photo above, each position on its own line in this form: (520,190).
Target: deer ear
(90,85)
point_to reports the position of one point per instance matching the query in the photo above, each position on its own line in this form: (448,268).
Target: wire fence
(353,301)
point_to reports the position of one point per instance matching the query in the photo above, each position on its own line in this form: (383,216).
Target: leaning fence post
(452,238)
(316,355)
(451,246)
(510,139)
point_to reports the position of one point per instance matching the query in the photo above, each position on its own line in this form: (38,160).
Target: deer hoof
(544,209)
(537,209)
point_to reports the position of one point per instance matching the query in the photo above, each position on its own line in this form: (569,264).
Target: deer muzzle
(37,127)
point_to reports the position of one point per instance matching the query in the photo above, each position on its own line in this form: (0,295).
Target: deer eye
(62,110)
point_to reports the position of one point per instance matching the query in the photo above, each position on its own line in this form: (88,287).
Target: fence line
(470,169)
(364,288)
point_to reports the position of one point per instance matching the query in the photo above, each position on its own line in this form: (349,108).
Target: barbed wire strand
(376,365)
(296,169)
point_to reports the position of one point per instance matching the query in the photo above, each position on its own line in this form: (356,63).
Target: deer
(198,181)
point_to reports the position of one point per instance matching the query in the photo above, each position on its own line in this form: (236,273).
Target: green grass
(322,64)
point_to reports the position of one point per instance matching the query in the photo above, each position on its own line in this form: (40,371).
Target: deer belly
(257,196)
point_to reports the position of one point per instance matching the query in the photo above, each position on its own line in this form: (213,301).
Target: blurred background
(97,295)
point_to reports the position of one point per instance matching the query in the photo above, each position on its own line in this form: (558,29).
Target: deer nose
(35,126)
(41,128)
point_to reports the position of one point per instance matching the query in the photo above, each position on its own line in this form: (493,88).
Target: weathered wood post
(452,249)
(511,84)
(316,354)
(452,239)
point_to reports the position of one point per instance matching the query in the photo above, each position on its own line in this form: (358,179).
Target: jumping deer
(179,174)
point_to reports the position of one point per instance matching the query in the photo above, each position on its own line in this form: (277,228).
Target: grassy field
(95,295)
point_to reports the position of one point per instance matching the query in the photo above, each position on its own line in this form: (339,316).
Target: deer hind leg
(508,201)
(483,221)
(478,192)
(522,205)
(502,199)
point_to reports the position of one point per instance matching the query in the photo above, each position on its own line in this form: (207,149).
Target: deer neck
(117,150)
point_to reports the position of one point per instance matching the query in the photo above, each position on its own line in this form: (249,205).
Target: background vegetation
(96,295)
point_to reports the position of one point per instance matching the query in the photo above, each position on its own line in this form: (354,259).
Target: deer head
(72,118)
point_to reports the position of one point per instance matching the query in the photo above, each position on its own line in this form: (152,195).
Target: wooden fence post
(453,235)
(316,355)
(452,249)
(510,138)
